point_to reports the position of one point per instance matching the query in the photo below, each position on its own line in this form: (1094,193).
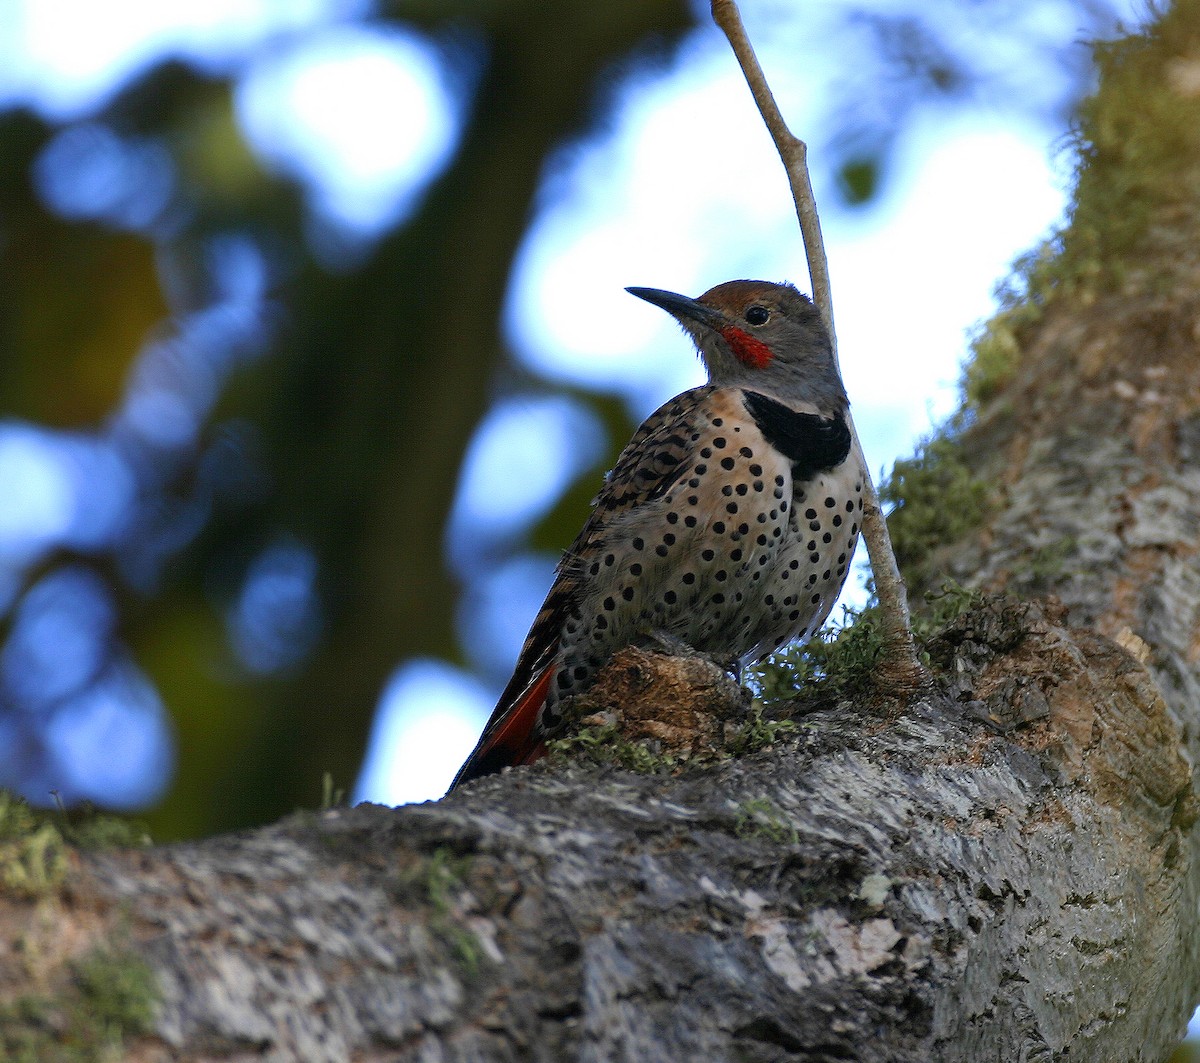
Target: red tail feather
(510,739)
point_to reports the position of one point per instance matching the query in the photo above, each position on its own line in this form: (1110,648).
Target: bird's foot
(664,641)
(670,644)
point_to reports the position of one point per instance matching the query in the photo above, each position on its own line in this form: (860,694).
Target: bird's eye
(757,315)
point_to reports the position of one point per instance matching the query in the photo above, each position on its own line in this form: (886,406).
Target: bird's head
(760,335)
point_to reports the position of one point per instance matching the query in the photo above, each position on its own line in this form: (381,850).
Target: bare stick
(900,666)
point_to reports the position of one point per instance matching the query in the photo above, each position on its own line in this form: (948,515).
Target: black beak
(682,308)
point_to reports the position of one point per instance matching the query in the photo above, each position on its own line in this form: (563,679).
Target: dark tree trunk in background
(411,391)
(902,881)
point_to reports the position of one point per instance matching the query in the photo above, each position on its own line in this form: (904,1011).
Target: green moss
(603,744)
(758,732)
(1137,142)
(995,355)
(995,350)
(90,829)
(331,796)
(935,499)
(761,818)
(1138,145)
(444,872)
(118,993)
(841,662)
(941,608)
(109,996)
(33,864)
(34,842)
(444,875)
(33,857)
(833,663)
(783,675)
(1138,148)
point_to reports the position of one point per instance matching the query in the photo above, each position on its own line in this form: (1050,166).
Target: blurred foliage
(347,434)
(934,498)
(996,345)
(106,998)
(33,842)
(335,403)
(1138,142)
(858,180)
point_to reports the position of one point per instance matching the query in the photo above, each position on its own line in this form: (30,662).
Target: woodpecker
(727,523)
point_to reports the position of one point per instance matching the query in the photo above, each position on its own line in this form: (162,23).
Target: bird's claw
(670,644)
(676,647)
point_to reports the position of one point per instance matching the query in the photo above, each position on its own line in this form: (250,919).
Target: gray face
(759,335)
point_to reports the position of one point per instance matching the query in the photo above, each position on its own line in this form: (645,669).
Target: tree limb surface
(895,883)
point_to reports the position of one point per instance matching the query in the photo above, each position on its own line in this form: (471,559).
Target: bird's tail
(511,736)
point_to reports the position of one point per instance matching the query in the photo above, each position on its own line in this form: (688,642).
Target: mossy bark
(893,882)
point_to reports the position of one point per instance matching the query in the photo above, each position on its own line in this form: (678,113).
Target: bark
(1004,868)
(902,883)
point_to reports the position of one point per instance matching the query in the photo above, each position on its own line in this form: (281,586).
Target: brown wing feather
(650,463)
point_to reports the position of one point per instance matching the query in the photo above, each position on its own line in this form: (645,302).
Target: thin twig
(793,152)
(900,668)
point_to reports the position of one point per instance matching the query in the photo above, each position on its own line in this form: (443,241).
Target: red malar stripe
(750,351)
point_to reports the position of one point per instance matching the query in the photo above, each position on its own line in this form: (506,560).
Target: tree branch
(921,890)
(900,667)
(792,151)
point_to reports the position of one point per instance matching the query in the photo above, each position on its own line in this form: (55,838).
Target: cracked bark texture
(1003,869)
(900,883)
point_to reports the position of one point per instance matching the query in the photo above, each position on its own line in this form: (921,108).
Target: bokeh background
(314,344)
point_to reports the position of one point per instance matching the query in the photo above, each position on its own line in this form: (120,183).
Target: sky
(649,202)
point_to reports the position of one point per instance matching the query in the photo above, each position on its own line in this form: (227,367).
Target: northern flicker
(727,523)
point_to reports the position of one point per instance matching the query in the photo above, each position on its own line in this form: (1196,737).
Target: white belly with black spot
(734,559)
